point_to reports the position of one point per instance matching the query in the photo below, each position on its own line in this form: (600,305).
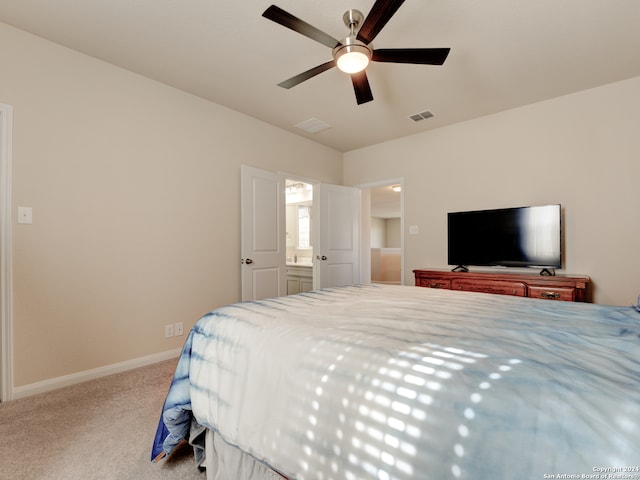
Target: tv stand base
(460,268)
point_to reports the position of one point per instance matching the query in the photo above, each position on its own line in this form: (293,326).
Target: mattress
(394,382)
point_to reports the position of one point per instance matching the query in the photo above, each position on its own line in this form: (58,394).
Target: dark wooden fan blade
(293,81)
(285,19)
(380,14)
(423,56)
(361,87)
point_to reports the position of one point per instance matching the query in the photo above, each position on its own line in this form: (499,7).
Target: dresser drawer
(491,286)
(434,283)
(553,293)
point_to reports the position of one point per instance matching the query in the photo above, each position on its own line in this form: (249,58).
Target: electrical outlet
(178,329)
(168,331)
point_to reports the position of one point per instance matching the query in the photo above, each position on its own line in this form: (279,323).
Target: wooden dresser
(559,287)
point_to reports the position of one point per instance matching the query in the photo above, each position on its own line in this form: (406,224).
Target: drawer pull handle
(553,295)
(434,285)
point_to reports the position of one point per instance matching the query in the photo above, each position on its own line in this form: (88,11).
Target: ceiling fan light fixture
(353,56)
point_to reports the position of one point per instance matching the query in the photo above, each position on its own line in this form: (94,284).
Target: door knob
(323,257)
(248,261)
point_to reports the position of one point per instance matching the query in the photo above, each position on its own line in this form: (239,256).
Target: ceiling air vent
(313,125)
(417,117)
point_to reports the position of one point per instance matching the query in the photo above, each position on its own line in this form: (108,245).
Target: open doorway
(384,232)
(299,236)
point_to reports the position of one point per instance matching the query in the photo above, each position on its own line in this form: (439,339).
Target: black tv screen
(508,237)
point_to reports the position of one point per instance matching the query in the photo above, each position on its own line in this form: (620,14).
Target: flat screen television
(507,237)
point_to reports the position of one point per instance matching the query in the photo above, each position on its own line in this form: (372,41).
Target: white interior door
(337,251)
(263,247)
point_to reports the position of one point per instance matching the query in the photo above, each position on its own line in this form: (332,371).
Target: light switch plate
(25,215)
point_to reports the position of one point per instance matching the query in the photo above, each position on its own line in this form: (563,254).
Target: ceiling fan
(353,53)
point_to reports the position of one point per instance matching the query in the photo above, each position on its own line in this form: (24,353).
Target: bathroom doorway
(299,236)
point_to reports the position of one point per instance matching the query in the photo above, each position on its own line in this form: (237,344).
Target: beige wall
(385,233)
(135,190)
(393,231)
(580,150)
(135,195)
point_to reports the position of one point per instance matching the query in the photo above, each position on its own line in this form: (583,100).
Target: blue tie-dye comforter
(390,382)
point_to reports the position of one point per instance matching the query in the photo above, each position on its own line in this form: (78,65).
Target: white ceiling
(504,54)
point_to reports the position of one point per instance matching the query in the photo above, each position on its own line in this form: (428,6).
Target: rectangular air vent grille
(417,117)
(313,125)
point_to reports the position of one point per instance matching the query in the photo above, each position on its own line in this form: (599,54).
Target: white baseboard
(74,378)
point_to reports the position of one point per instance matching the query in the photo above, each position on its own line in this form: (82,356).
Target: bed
(397,382)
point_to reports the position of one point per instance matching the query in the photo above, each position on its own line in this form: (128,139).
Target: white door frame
(6,297)
(365,224)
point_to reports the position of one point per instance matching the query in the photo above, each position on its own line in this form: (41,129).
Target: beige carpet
(102,429)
